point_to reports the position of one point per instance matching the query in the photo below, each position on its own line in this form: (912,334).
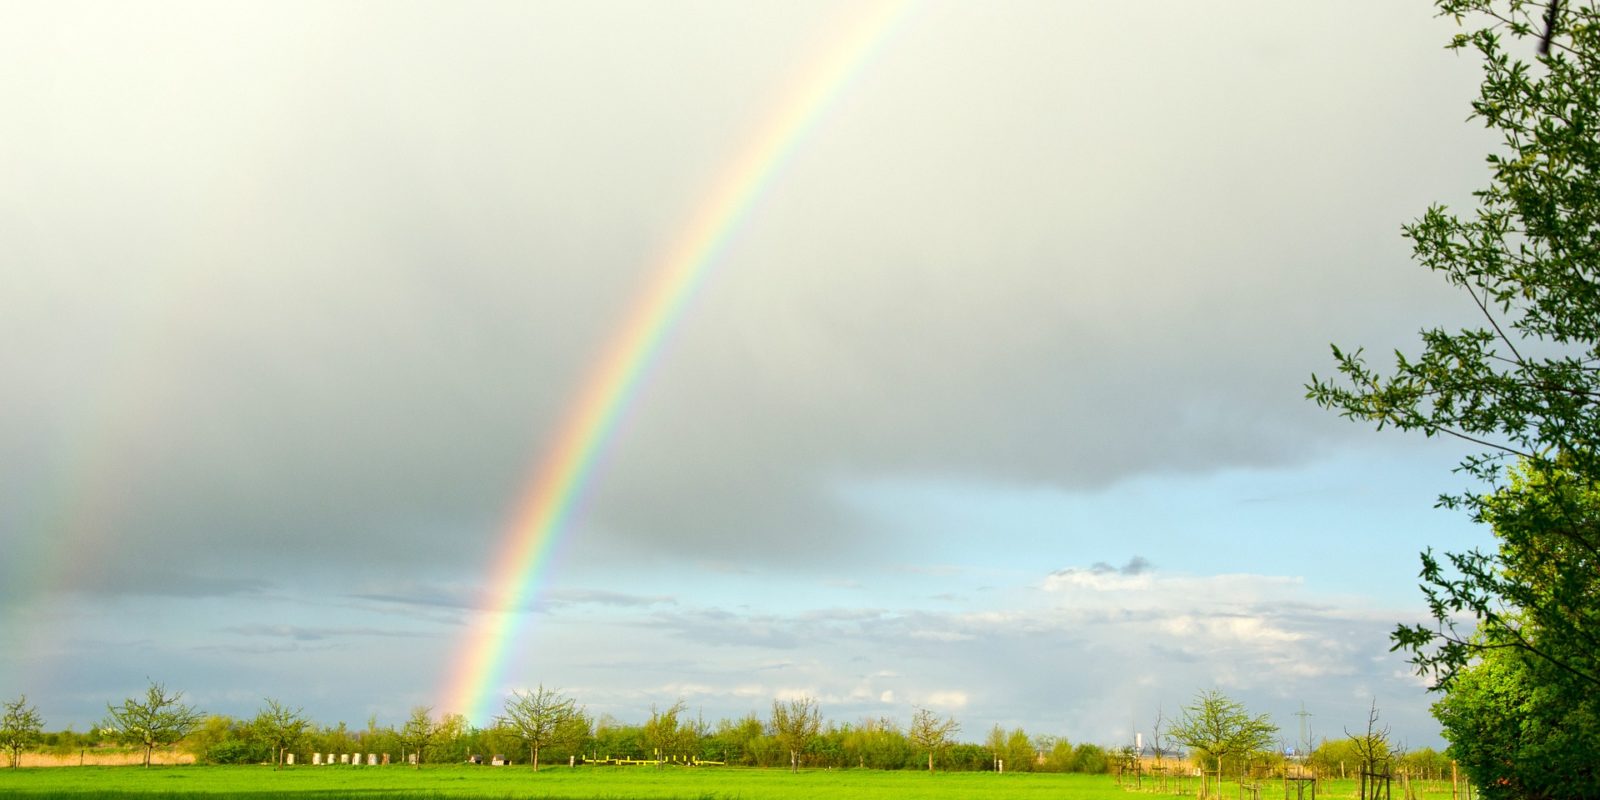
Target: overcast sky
(993,403)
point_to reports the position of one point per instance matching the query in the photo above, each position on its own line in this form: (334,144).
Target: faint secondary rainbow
(565,471)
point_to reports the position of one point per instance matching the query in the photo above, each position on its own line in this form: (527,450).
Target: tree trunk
(930,762)
(536,758)
(147,749)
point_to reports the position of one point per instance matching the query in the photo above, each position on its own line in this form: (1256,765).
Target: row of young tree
(1215,733)
(547,725)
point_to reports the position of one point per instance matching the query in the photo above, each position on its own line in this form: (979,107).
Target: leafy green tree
(340,739)
(1057,751)
(766,751)
(20,728)
(1523,384)
(214,729)
(667,734)
(452,738)
(1541,687)
(279,727)
(1090,759)
(612,739)
(576,734)
(795,723)
(931,734)
(1426,762)
(877,743)
(826,749)
(160,719)
(240,749)
(494,740)
(419,733)
(968,757)
(1012,751)
(731,741)
(1522,387)
(1019,752)
(62,743)
(1217,726)
(997,744)
(1513,735)
(221,739)
(538,717)
(1336,757)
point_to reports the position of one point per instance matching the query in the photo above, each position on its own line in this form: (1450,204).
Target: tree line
(541,725)
(544,726)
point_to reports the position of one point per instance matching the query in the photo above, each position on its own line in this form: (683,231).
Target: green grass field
(307,783)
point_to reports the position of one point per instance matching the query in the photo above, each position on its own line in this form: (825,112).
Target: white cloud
(942,636)
(1052,663)
(1153,589)
(1240,630)
(1097,581)
(946,700)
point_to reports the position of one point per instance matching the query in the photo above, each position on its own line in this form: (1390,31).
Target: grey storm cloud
(603,597)
(176,583)
(285,290)
(471,598)
(309,634)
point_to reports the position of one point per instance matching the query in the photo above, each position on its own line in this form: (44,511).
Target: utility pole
(1305,729)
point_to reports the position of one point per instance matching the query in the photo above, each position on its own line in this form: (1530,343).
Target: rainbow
(561,478)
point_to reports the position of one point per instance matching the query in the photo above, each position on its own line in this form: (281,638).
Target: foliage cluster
(1334,757)
(1514,640)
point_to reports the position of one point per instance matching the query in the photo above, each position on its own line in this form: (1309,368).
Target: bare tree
(1155,741)
(1372,746)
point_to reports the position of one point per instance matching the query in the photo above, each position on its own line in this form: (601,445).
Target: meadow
(401,783)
